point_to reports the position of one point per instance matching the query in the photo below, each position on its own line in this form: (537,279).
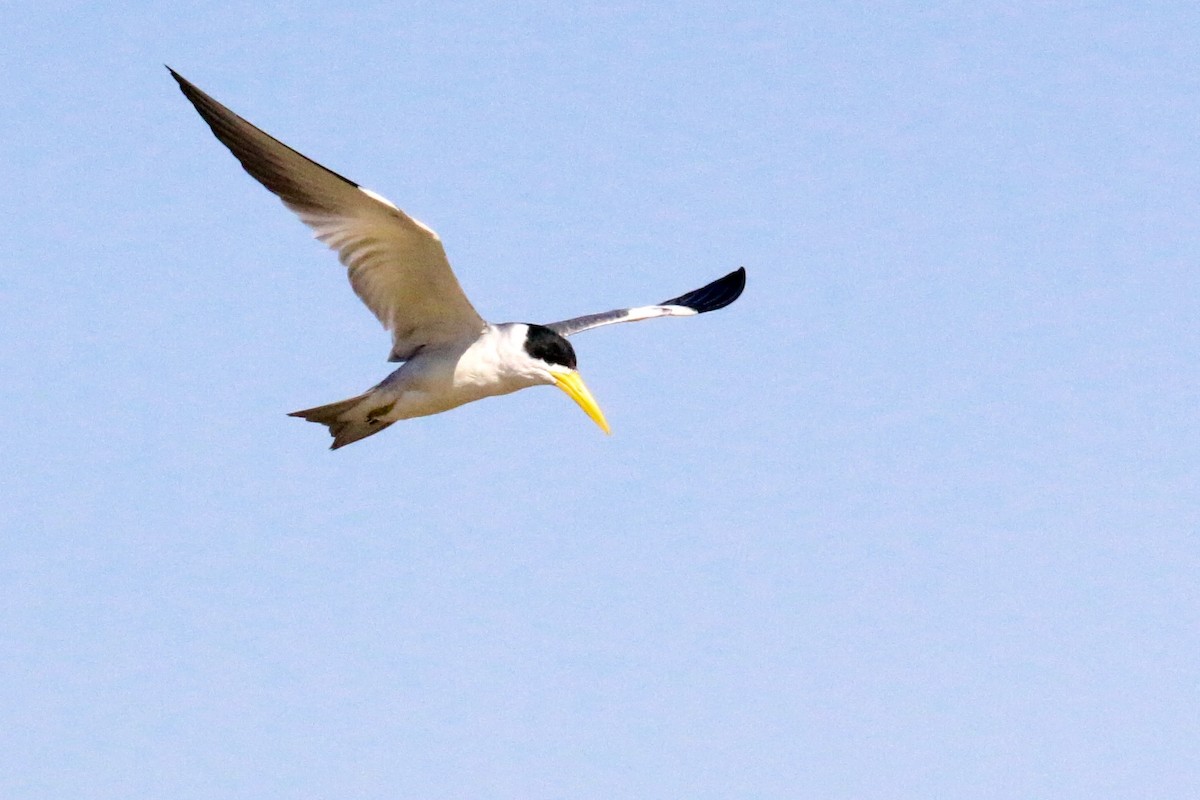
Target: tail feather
(348,420)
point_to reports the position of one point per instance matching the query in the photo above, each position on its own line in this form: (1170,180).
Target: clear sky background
(917,517)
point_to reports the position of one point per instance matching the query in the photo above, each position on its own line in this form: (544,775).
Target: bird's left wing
(717,294)
(397,265)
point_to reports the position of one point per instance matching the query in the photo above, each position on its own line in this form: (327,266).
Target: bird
(449,354)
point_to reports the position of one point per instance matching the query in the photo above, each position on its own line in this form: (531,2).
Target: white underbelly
(418,403)
(431,386)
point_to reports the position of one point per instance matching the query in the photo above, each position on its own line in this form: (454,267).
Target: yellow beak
(572,384)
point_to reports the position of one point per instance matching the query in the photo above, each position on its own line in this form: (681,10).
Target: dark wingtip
(251,145)
(717,294)
(189,89)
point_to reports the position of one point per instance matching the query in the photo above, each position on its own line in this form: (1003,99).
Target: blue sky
(915,518)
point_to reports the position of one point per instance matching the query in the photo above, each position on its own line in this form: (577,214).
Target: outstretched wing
(717,294)
(397,265)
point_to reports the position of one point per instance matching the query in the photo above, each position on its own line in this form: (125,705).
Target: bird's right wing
(397,265)
(717,294)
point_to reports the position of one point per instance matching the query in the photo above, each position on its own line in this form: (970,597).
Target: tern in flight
(399,270)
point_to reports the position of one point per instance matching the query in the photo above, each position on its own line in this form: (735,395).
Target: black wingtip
(717,294)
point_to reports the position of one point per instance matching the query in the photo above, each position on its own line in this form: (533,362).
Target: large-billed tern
(399,270)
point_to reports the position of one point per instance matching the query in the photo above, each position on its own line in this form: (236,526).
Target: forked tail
(348,420)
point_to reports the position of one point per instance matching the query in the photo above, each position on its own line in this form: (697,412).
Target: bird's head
(553,359)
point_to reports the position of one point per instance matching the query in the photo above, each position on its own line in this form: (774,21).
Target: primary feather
(710,297)
(396,265)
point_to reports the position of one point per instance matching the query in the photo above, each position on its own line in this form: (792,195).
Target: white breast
(436,380)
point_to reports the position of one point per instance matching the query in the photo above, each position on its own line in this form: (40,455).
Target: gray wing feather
(710,297)
(396,265)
